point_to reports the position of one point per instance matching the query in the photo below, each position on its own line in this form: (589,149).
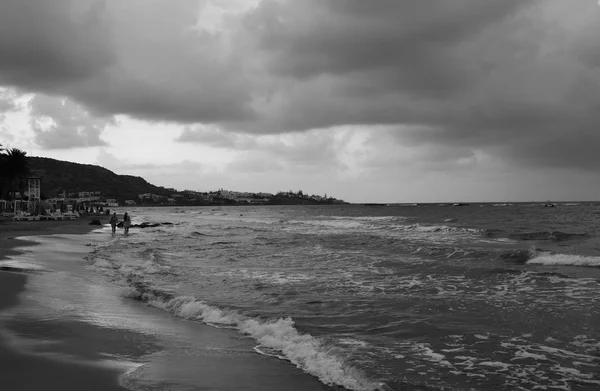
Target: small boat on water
(460,204)
(549,205)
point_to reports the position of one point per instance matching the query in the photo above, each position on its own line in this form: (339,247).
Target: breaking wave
(275,337)
(303,350)
(436,228)
(336,224)
(551,259)
(554,236)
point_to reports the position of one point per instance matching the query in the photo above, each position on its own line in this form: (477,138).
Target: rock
(149,225)
(516,256)
(95,222)
(531,236)
(555,236)
(558,236)
(146,225)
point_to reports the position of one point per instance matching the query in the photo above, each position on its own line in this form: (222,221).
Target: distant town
(38,185)
(190,197)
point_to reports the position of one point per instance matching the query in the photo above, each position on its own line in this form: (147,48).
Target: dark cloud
(50,44)
(515,79)
(147,60)
(313,37)
(404,62)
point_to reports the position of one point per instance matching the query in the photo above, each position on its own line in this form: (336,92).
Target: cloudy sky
(368,101)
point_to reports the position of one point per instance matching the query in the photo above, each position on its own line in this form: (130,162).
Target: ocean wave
(273,336)
(303,350)
(554,236)
(339,224)
(436,228)
(519,256)
(552,259)
(537,256)
(145,262)
(367,218)
(196,233)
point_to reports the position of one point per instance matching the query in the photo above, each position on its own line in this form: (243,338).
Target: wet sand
(38,352)
(59,368)
(10,230)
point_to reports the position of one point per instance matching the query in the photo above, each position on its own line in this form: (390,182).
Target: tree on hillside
(14,168)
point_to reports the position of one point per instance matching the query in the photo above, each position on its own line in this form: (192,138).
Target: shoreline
(37,369)
(49,350)
(11,230)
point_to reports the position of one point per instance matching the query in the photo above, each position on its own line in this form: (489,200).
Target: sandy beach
(43,348)
(23,370)
(10,230)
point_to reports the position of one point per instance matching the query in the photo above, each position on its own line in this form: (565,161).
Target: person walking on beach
(126,223)
(113,222)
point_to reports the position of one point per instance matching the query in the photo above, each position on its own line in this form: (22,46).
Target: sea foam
(550,259)
(303,350)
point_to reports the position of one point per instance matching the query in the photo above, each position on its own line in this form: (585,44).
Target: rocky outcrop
(145,225)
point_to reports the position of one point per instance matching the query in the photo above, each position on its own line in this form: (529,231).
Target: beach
(361,298)
(61,328)
(10,230)
(22,370)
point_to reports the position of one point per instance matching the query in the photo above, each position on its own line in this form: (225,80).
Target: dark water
(425,297)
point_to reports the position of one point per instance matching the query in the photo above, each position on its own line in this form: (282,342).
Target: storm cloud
(513,79)
(145,59)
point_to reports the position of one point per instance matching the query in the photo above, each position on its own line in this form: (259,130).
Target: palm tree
(15,167)
(3,170)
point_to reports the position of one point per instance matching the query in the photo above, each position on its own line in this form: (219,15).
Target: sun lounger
(25,217)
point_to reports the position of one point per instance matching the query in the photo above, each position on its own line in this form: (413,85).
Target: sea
(373,297)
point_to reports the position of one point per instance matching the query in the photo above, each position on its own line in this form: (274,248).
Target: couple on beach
(114,220)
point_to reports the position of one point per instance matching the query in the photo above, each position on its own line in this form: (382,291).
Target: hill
(58,176)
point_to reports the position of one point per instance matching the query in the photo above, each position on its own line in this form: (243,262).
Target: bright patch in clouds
(385,101)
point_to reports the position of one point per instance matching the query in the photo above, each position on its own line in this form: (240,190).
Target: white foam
(352,342)
(367,218)
(339,224)
(522,354)
(564,260)
(278,278)
(303,350)
(429,354)
(436,229)
(102,263)
(130,293)
(496,364)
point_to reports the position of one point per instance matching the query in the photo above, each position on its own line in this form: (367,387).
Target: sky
(366,101)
